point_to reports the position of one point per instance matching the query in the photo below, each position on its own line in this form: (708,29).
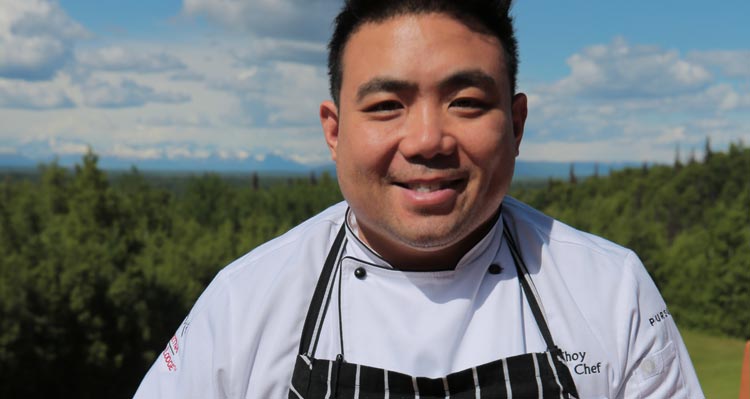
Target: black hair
(487,16)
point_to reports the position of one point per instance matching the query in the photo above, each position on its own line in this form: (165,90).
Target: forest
(98,269)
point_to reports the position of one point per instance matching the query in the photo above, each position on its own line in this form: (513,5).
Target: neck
(402,256)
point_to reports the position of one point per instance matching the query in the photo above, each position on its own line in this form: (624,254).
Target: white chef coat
(241,338)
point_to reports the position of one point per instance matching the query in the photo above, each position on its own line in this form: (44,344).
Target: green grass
(717,361)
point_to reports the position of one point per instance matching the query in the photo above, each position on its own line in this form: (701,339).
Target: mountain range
(271,163)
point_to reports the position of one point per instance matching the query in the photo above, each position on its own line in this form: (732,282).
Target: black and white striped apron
(531,375)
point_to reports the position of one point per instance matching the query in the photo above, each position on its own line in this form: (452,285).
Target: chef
(428,281)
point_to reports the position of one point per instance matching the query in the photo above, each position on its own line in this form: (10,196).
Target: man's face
(423,137)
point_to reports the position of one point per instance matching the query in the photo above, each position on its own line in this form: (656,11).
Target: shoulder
(289,263)
(601,302)
(307,239)
(536,229)
(248,320)
(590,270)
(590,275)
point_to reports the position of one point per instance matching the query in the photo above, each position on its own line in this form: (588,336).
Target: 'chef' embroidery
(581,367)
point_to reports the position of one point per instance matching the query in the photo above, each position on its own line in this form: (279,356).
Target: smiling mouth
(428,187)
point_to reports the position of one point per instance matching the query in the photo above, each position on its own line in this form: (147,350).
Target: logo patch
(170,354)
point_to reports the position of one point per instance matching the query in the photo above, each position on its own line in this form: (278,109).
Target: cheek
(367,151)
(488,151)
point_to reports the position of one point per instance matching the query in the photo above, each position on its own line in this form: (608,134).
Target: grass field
(718,362)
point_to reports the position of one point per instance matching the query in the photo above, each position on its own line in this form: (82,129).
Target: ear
(519,111)
(329,120)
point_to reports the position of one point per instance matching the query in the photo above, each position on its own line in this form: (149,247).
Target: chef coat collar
(358,249)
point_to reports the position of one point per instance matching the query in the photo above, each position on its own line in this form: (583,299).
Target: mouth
(431,186)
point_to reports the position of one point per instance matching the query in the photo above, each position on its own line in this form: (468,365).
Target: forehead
(418,45)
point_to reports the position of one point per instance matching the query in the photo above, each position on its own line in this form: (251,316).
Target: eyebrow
(468,78)
(456,81)
(383,84)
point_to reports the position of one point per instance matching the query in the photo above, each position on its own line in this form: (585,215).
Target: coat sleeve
(193,363)
(658,364)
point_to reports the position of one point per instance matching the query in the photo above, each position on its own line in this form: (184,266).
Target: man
(428,281)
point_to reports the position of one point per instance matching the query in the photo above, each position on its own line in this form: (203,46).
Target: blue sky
(607,81)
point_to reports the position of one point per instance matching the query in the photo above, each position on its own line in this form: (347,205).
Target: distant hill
(267,163)
(16,161)
(214,163)
(272,163)
(561,170)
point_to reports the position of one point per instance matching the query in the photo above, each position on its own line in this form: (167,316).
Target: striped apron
(531,375)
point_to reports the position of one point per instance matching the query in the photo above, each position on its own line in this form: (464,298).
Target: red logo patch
(168,360)
(175,344)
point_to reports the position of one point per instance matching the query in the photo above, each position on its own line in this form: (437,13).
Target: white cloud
(302,19)
(258,50)
(127,93)
(713,99)
(172,151)
(635,102)
(187,76)
(565,128)
(280,93)
(726,98)
(32,95)
(36,39)
(118,58)
(295,92)
(565,151)
(622,70)
(178,152)
(43,147)
(672,135)
(181,120)
(232,154)
(131,152)
(69,148)
(732,63)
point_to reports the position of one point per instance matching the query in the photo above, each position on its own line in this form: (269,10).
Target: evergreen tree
(707,152)
(572,179)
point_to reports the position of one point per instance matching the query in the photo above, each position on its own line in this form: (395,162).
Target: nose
(425,134)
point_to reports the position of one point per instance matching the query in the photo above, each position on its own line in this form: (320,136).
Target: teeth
(425,188)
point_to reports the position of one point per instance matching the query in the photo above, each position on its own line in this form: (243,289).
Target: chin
(432,240)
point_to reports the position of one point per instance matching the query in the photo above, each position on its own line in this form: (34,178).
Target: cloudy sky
(607,81)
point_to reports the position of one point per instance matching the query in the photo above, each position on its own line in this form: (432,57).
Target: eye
(384,106)
(469,103)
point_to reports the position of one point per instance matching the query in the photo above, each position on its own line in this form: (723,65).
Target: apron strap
(530,292)
(317,310)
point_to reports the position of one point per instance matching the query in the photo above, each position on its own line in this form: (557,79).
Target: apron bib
(530,375)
